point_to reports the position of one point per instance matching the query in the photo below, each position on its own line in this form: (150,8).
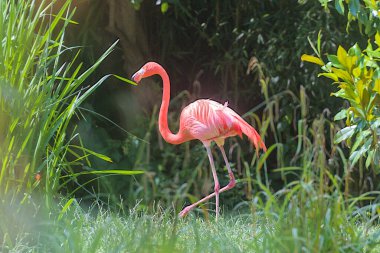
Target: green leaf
(360,138)
(342,74)
(344,134)
(356,155)
(355,50)
(376,159)
(342,56)
(313,47)
(111,172)
(125,80)
(319,42)
(377,39)
(65,208)
(329,75)
(354,7)
(118,172)
(66,19)
(341,115)
(101,156)
(312,59)
(290,168)
(164,7)
(334,60)
(373,54)
(265,156)
(369,160)
(356,71)
(339,6)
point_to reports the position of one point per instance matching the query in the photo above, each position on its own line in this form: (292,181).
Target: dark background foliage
(223,50)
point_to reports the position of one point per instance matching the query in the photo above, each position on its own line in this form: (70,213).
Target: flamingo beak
(138,75)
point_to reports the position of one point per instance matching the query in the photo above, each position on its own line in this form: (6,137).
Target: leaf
(313,47)
(376,86)
(111,172)
(341,115)
(351,62)
(359,139)
(355,50)
(98,155)
(364,101)
(118,172)
(356,155)
(369,160)
(375,124)
(376,159)
(342,56)
(377,39)
(354,7)
(344,134)
(125,80)
(290,168)
(360,89)
(329,75)
(312,59)
(347,93)
(66,19)
(65,208)
(356,71)
(342,74)
(319,42)
(334,61)
(339,6)
(164,7)
(373,54)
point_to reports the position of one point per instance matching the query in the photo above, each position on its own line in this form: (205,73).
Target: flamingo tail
(252,134)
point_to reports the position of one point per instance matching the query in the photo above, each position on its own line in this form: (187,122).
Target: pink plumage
(205,120)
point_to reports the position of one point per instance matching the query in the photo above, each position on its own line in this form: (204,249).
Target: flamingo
(205,120)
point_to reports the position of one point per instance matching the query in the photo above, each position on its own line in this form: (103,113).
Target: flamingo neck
(163,116)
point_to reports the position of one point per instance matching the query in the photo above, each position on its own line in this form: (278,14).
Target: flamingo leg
(232,182)
(216,192)
(230,185)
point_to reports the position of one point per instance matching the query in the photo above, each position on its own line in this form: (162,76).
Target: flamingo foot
(185,211)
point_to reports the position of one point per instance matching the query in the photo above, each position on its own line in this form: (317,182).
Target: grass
(97,229)
(41,90)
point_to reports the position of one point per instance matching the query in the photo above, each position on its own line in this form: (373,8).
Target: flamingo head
(147,70)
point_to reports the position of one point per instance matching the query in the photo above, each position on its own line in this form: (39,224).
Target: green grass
(41,90)
(97,229)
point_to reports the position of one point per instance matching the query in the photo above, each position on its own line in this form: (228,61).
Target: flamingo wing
(208,120)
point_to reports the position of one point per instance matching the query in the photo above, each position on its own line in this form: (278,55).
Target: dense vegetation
(82,162)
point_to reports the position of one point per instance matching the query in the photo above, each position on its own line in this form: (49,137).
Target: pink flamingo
(205,120)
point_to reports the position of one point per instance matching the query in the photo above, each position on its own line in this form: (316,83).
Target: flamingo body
(205,120)
(208,120)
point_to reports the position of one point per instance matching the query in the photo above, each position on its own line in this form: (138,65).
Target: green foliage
(356,73)
(40,94)
(364,12)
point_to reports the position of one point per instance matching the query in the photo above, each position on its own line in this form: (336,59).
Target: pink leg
(232,182)
(216,188)
(230,185)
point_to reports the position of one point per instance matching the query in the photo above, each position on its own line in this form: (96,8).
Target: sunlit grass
(98,229)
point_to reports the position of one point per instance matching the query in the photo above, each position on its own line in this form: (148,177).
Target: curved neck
(163,116)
